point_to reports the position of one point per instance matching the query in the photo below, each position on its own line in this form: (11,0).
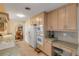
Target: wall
(12,28)
(26,28)
(2,8)
(67,36)
(14,25)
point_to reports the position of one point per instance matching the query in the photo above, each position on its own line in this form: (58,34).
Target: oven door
(40,40)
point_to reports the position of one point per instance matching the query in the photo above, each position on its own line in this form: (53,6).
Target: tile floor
(14,51)
(21,49)
(27,50)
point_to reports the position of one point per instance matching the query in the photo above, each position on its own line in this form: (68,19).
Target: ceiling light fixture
(27,8)
(20,15)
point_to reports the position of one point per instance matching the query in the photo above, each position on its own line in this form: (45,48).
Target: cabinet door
(40,19)
(33,21)
(48,47)
(71,17)
(54,20)
(61,19)
(49,21)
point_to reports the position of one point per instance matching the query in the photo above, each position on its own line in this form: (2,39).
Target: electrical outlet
(65,34)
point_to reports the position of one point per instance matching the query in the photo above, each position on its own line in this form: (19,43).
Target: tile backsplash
(67,36)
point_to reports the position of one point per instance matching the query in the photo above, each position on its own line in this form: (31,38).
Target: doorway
(19,33)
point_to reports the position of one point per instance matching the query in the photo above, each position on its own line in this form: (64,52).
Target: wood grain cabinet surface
(63,19)
(52,21)
(71,17)
(39,19)
(48,49)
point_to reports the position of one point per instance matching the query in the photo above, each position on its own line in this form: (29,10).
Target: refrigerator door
(32,37)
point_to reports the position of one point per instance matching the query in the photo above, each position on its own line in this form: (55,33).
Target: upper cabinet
(52,21)
(38,19)
(33,20)
(63,19)
(71,17)
(49,23)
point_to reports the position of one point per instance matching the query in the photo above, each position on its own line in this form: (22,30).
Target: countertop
(66,46)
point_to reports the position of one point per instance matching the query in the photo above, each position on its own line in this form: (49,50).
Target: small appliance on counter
(50,34)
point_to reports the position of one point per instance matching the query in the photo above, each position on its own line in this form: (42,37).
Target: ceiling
(14,8)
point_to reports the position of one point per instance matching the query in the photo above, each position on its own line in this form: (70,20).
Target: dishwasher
(61,52)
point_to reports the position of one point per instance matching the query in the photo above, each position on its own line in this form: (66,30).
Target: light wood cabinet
(48,47)
(33,20)
(49,23)
(38,19)
(71,17)
(61,18)
(52,21)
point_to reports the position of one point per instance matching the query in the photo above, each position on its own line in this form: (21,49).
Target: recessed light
(20,15)
(27,8)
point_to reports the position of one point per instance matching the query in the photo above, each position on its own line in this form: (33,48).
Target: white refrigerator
(33,37)
(30,36)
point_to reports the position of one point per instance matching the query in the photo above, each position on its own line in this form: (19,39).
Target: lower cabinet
(46,47)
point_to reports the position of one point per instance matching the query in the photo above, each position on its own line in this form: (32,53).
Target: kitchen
(59,30)
(48,28)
